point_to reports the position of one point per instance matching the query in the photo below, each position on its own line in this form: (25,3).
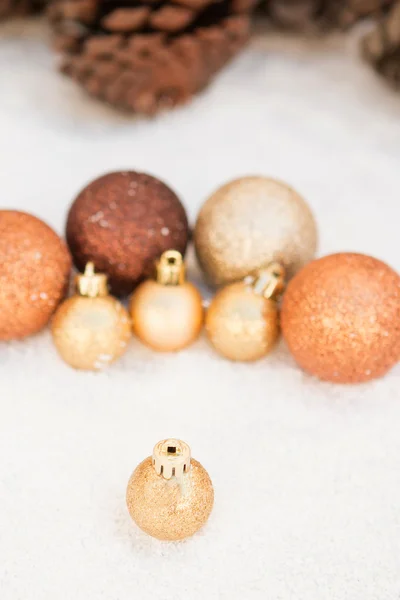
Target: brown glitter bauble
(123,222)
(341,318)
(34,271)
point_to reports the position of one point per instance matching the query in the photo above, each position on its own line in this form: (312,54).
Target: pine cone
(382,47)
(322,14)
(18,8)
(146,55)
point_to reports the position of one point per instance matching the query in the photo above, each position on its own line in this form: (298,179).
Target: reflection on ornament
(167,313)
(242,321)
(170,495)
(92,328)
(249,223)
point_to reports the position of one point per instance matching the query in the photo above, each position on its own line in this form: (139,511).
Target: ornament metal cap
(170,268)
(91,284)
(268,282)
(171,458)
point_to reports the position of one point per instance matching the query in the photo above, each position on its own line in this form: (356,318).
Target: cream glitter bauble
(249,223)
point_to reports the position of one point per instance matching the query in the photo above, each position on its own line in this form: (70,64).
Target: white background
(306,474)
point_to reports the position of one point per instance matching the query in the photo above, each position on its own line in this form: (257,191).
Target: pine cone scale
(172,19)
(381,47)
(126,19)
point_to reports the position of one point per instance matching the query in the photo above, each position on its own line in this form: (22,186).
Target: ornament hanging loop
(170,269)
(269,282)
(91,284)
(171,458)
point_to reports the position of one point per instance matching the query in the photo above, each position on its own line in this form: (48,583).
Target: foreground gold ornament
(170,495)
(242,322)
(167,313)
(249,223)
(91,329)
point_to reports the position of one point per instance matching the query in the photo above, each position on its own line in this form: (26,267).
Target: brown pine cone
(382,47)
(146,55)
(322,14)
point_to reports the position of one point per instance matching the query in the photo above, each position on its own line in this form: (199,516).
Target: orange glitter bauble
(34,271)
(341,318)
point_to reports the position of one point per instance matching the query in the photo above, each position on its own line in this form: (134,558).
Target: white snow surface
(306,474)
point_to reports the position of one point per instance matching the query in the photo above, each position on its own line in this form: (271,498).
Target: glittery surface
(306,473)
(341,318)
(122,222)
(240,324)
(166,317)
(250,222)
(91,333)
(169,510)
(34,271)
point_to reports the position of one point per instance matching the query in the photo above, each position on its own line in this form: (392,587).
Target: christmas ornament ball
(122,222)
(167,313)
(341,318)
(170,495)
(249,223)
(91,329)
(242,321)
(34,270)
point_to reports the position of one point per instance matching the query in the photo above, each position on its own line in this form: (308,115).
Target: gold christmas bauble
(249,223)
(341,318)
(91,329)
(242,321)
(170,495)
(167,313)
(34,271)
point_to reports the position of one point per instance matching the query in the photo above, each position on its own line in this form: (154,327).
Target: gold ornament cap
(268,282)
(91,284)
(171,458)
(170,268)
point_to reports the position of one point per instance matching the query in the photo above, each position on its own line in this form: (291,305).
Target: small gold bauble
(91,329)
(249,223)
(167,314)
(242,321)
(170,495)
